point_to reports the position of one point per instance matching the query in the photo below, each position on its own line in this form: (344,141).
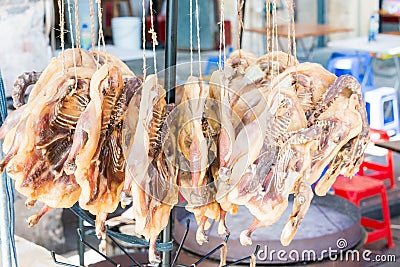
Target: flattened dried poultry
(39,136)
(96,155)
(150,177)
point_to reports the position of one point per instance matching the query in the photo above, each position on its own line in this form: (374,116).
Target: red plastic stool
(375,170)
(359,188)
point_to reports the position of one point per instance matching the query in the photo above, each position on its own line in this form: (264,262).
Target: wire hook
(53,255)
(243,259)
(95,249)
(182,242)
(211,252)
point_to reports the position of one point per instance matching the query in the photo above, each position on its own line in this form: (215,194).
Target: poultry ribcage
(150,174)
(96,156)
(38,134)
(198,160)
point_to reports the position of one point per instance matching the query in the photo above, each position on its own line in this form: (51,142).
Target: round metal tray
(331,224)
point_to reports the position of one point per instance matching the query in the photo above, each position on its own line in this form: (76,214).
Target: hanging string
(293,33)
(272,39)
(289,30)
(268,16)
(198,36)
(144,38)
(221,36)
(92,23)
(240,4)
(101,35)
(223,29)
(153,37)
(191,36)
(77,30)
(276,34)
(61,11)
(72,42)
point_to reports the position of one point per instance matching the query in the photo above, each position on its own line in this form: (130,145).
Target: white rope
(272,39)
(92,23)
(77,29)
(221,36)
(101,35)
(191,36)
(153,37)
(198,36)
(72,42)
(62,21)
(144,37)
(289,26)
(268,15)
(223,29)
(293,33)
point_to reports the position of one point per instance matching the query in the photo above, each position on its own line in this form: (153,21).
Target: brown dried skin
(220,93)
(311,81)
(303,157)
(274,63)
(105,57)
(53,91)
(21,85)
(238,62)
(195,142)
(40,175)
(102,179)
(137,130)
(151,178)
(293,160)
(82,59)
(349,157)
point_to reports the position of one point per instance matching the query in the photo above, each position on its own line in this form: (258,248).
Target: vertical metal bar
(81,246)
(170,49)
(6,259)
(321,19)
(5,205)
(169,84)
(242,28)
(380,17)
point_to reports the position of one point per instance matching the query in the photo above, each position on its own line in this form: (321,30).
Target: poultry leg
(301,204)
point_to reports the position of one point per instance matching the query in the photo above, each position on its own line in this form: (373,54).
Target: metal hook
(211,252)
(53,255)
(181,244)
(243,259)
(125,252)
(95,249)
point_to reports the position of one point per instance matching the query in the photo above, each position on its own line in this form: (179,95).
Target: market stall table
(391,145)
(303,30)
(385,44)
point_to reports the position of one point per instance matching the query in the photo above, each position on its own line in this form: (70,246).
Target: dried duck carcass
(150,172)
(96,156)
(305,150)
(198,158)
(38,134)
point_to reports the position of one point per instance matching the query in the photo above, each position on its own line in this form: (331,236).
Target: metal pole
(170,49)
(5,205)
(81,246)
(6,259)
(321,19)
(169,84)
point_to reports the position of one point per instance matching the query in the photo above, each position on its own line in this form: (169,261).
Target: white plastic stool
(383,109)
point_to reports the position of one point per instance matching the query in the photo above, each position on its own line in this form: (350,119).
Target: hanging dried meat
(150,172)
(38,135)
